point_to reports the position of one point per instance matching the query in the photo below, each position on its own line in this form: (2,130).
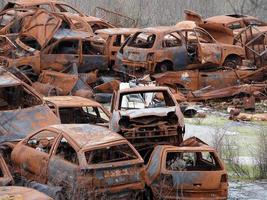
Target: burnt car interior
(172,40)
(149,99)
(110,154)
(192,161)
(85,115)
(31,42)
(143,40)
(42,141)
(90,49)
(193,38)
(66,47)
(66,152)
(17,97)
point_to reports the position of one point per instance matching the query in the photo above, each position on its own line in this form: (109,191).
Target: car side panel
(33,163)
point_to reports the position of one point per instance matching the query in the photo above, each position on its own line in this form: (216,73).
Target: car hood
(17,124)
(42,26)
(160,112)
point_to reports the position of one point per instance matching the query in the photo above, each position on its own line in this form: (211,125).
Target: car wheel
(163,67)
(232,62)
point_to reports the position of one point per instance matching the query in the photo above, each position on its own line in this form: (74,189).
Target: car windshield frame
(137,160)
(167,99)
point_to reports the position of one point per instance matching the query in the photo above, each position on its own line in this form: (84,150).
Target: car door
(32,155)
(60,55)
(208,51)
(92,57)
(63,166)
(174,49)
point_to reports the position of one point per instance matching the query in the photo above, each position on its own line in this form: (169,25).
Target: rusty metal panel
(5,175)
(64,82)
(21,193)
(17,124)
(172,176)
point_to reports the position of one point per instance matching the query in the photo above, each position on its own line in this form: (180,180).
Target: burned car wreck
(115,38)
(147,116)
(85,161)
(161,49)
(190,171)
(78,110)
(63,8)
(22,110)
(191,80)
(54,45)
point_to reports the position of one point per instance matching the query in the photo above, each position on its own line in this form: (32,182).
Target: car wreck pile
(57,65)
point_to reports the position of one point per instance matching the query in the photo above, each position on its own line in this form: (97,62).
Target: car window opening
(66,47)
(42,141)
(145,100)
(83,115)
(66,152)
(192,161)
(143,40)
(17,97)
(110,154)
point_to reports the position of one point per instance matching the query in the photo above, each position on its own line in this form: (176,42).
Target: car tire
(163,67)
(232,62)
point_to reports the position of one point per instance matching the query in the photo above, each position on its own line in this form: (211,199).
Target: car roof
(71,101)
(117,31)
(159,29)
(86,135)
(143,89)
(186,148)
(189,144)
(226,19)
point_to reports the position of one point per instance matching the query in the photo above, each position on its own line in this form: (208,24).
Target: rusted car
(22,109)
(13,20)
(147,116)
(61,7)
(114,37)
(78,110)
(21,193)
(190,171)
(225,27)
(38,47)
(242,91)
(86,161)
(191,80)
(5,175)
(161,49)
